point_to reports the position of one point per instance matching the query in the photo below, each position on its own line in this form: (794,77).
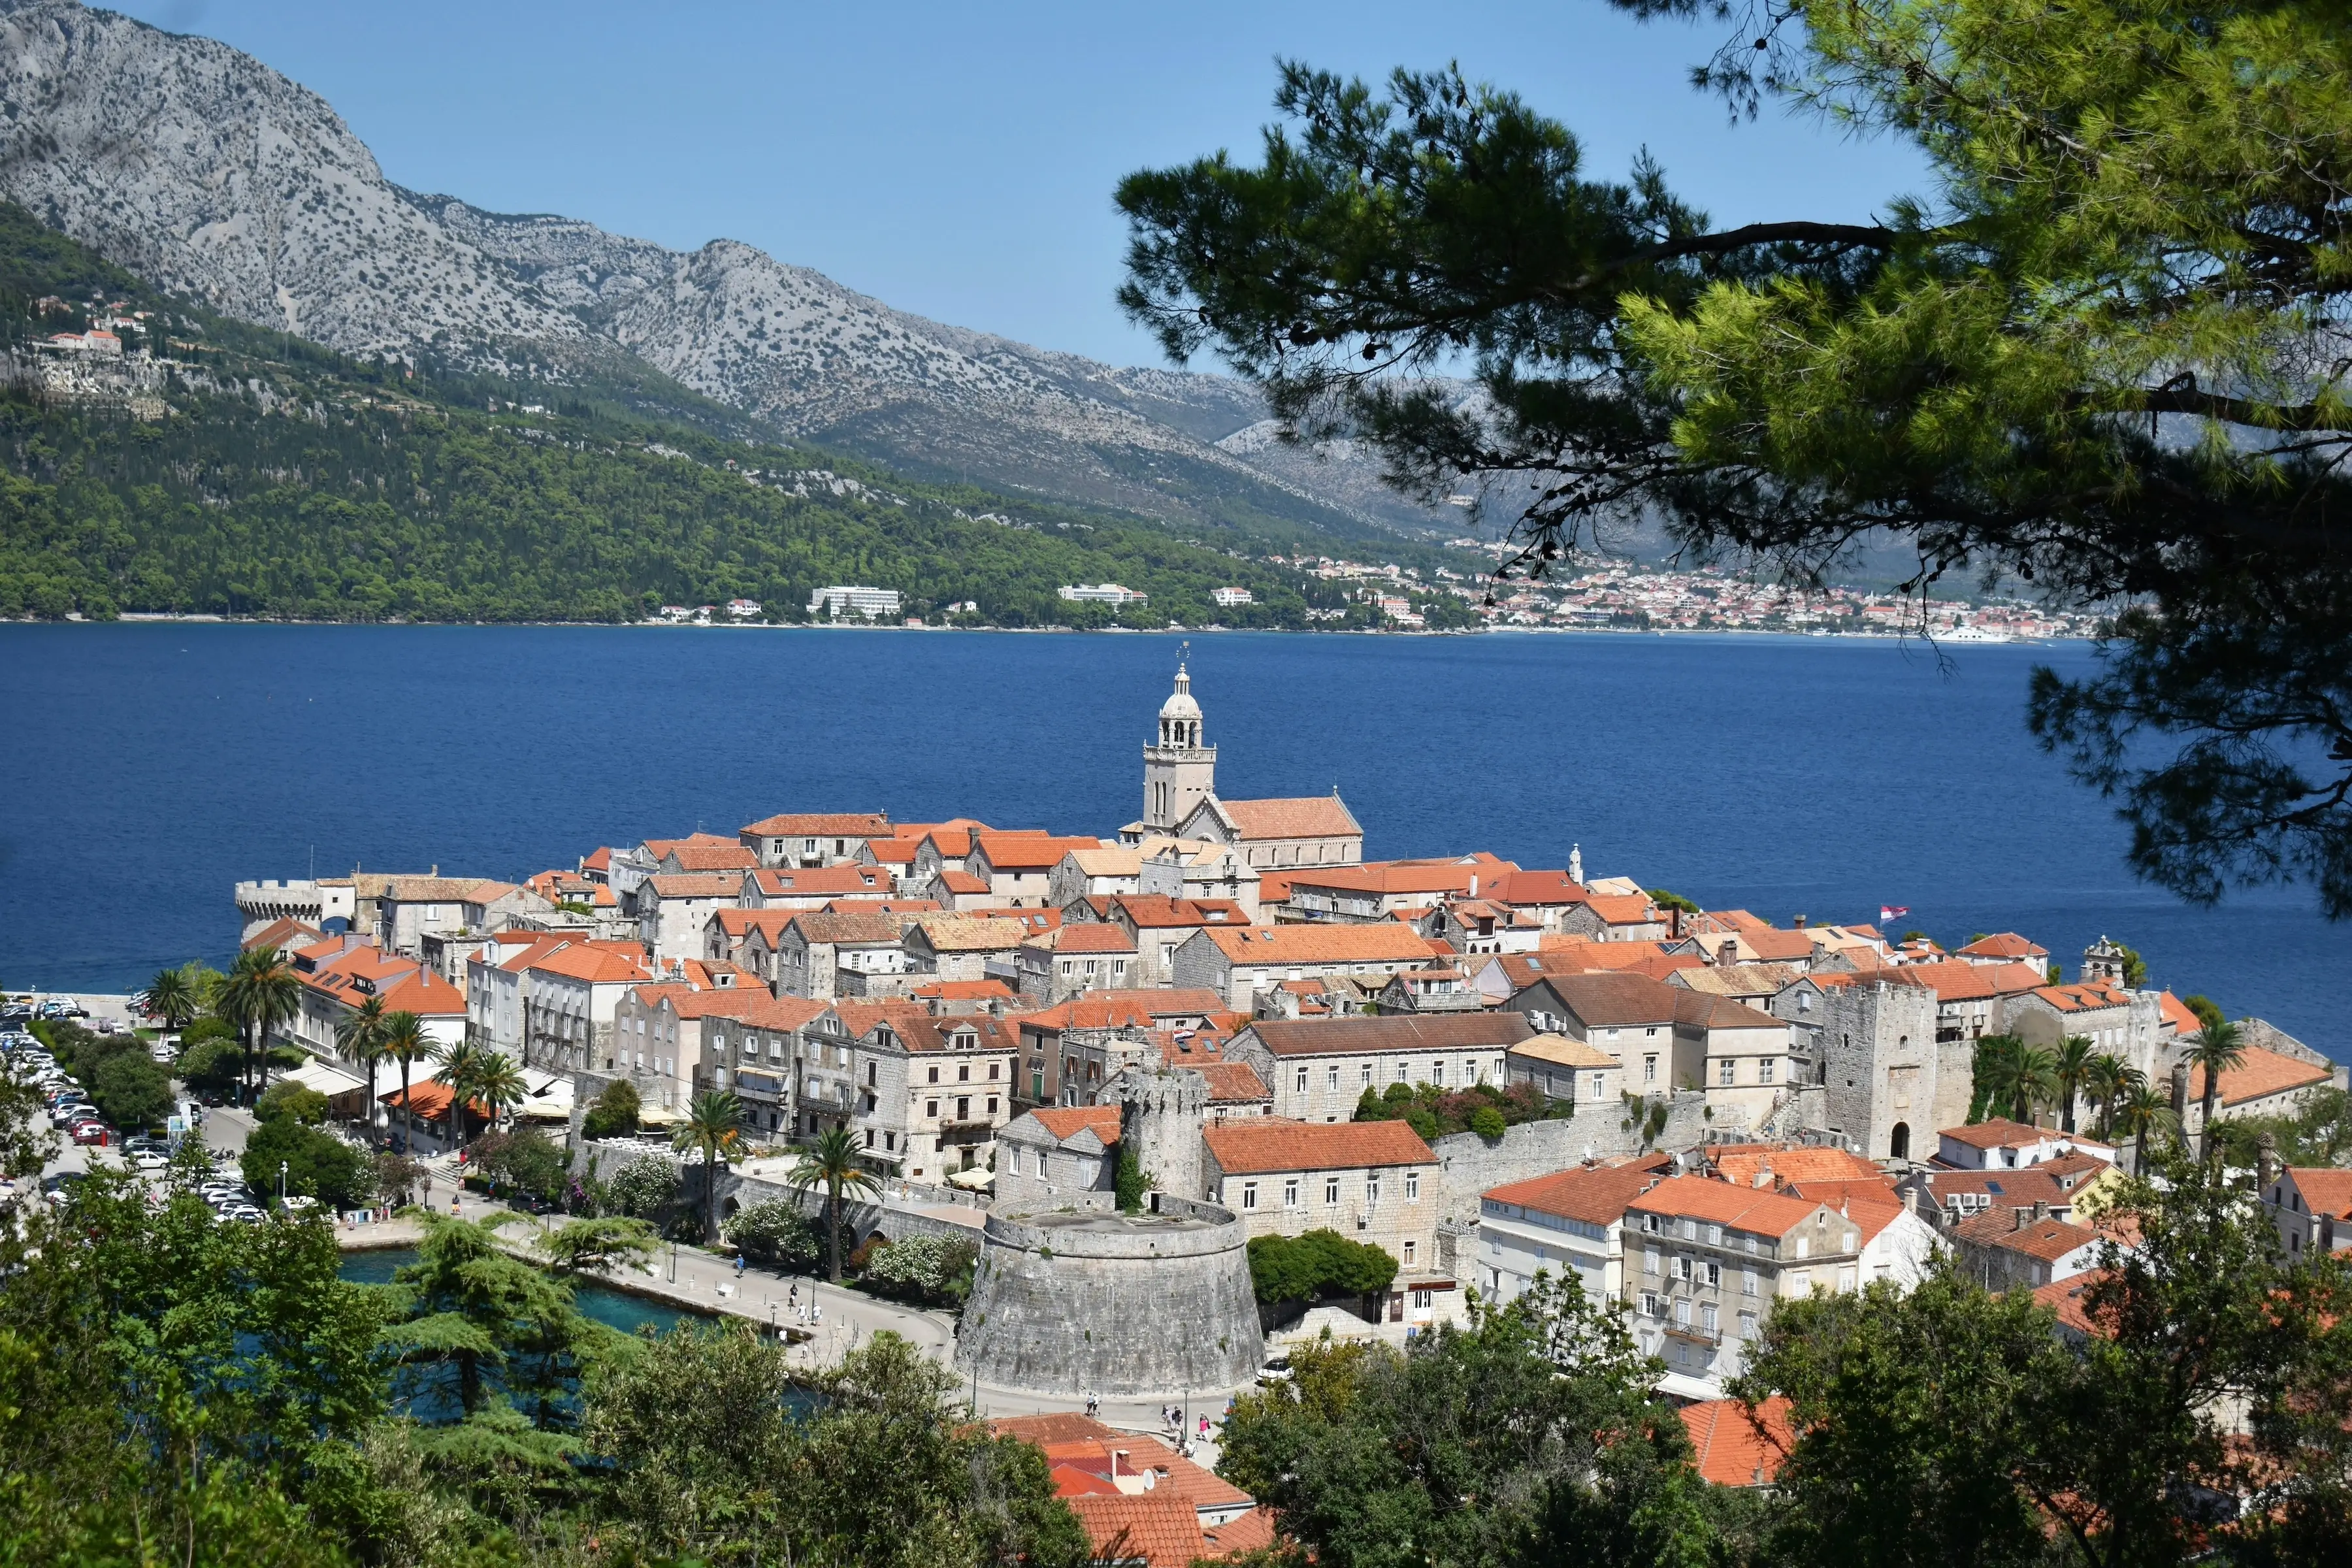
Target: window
(1367,1075)
(1682,1314)
(1746,1325)
(963,1072)
(1650,1070)
(1805,1246)
(1331,1192)
(991,1070)
(869,1075)
(1290,1193)
(1437,1072)
(869,1138)
(1404,1071)
(1801,1282)
(1706,1316)
(992,1105)
(1650,1305)
(935,1075)
(1298,1082)
(1714,1274)
(1764,1070)
(1410,1249)
(1681,1267)
(1747,1281)
(1249,1195)
(931,1108)
(1649,1262)
(1412,1186)
(1728,1074)
(1373,1189)
(1331,1079)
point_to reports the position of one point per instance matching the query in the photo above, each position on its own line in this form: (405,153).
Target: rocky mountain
(212,175)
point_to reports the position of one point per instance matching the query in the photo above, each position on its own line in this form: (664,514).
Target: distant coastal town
(1591,594)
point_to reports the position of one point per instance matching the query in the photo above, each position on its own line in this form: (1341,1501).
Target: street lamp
(281,1183)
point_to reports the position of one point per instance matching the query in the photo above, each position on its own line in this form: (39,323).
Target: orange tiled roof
(597,965)
(424,994)
(2046,1240)
(2065,1298)
(1027,851)
(2325,1189)
(713,857)
(1151,910)
(2005,944)
(1391,1032)
(819,882)
(1734,1445)
(697,885)
(822,824)
(1302,817)
(1232,1083)
(1699,1197)
(1997,1132)
(1595,1193)
(1158,1532)
(1625,909)
(2258,1075)
(1067,1121)
(1381,942)
(1088,936)
(1533,888)
(1739,1163)
(1258,1144)
(2084,996)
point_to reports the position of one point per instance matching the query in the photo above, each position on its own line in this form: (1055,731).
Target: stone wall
(1471,1164)
(897,1216)
(1074,1303)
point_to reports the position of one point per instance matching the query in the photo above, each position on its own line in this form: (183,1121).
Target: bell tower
(1179,771)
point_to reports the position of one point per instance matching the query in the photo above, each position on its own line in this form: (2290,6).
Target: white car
(245,1214)
(148,1160)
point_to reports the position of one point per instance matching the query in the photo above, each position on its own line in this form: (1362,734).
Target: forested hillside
(287,480)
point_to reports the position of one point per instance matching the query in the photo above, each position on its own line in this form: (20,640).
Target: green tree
(645,1188)
(170,1000)
(2108,1078)
(2210,1052)
(2140,1115)
(1131,1181)
(287,1098)
(613,1113)
(527,1161)
(212,1067)
(260,993)
(713,1128)
(132,1090)
(404,1042)
(461,1073)
(775,1232)
(488,1323)
(316,1164)
(2071,1074)
(593,1245)
(2209,1012)
(833,1163)
(1321,1262)
(360,1038)
(2096,356)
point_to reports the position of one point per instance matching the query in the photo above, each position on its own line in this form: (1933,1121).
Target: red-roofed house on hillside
(1569,1223)
(1706,1260)
(1019,866)
(672,908)
(1371,1180)
(1734,1443)
(932,1093)
(2312,1208)
(2128,1023)
(1361,893)
(2006,1247)
(797,887)
(2005,947)
(1319,1068)
(756,1054)
(658,1037)
(1133,1494)
(809,840)
(1997,1143)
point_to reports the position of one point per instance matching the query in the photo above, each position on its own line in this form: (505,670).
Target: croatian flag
(1892,911)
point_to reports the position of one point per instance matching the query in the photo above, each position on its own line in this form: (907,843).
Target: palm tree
(461,1070)
(260,992)
(404,1042)
(499,1085)
(714,1125)
(2213,1051)
(2071,1070)
(170,997)
(2106,1079)
(2143,1111)
(358,1036)
(832,1162)
(2015,1076)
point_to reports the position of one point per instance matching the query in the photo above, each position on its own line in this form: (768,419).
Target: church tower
(1179,771)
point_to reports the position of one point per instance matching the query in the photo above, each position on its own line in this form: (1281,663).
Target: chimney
(2040,1211)
(2019,1218)
(1676,927)
(1763,1176)
(1800,922)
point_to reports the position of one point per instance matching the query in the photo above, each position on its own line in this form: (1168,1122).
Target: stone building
(1317,1069)
(816,949)
(1245,965)
(930,1093)
(1888,1084)
(809,839)
(1056,1155)
(1369,1181)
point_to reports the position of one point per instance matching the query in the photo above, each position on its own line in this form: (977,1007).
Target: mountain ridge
(216,177)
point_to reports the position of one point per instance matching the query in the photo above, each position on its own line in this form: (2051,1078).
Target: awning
(329,1081)
(658,1116)
(1677,1385)
(974,1180)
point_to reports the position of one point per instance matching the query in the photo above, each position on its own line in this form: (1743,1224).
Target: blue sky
(957,160)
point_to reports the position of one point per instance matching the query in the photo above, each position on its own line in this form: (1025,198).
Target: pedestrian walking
(738,1265)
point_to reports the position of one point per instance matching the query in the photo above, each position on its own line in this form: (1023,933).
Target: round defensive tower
(1076,1301)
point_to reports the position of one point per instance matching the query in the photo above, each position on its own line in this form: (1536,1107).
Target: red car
(91,1133)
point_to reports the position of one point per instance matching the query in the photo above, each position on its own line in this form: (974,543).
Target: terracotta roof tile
(1383,941)
(2005,944)
(857,931)
(2047,1240)
(1597,1195)
(1302,817)
(2257,1075)
(822,824)
(1699,1197)
(1733,1445)
(1997,1132)
(1232,1083)
(1261,1143)
(1067,1121)
(1391,1032)
(713,857)
(1160,1531)
(697,885)
(1613,1000)
(820,882)
(1738,1164)
(2325,1190)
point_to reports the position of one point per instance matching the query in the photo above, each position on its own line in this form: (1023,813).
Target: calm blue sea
(152,765)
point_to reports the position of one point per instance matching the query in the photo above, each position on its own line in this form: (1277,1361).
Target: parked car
(245,1214)
(148,1160)
(1276,1370)
(95,1133)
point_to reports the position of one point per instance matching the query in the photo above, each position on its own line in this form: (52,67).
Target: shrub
(774,1234)
(1487,1123)
(929,1269)
(1131,1180)
(613,1113)
(203,1032)
(1372,1107)
(1421,1121)
(645,1188)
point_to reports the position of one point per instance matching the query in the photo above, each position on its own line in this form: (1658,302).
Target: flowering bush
(644,1188)
(775,1233)
(931,1269)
